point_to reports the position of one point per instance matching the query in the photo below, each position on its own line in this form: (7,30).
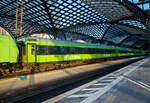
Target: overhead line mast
(17,15)
(19,30)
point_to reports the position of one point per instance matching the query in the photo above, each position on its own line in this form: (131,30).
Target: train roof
(72,42)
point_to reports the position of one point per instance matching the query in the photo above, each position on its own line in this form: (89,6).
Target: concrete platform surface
(13,84)
(14,89)
(130,84)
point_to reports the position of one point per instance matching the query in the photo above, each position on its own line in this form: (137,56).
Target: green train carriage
(38,53)
(46,51)
(9,52)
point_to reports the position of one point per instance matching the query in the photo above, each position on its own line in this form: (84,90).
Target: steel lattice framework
(111,22)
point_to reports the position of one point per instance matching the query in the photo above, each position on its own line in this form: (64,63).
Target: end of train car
(9,51)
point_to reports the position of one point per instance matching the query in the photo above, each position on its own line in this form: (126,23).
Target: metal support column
(50,18)
(148,29)
(149,47)
(17,15)
(21,17)
(106,31)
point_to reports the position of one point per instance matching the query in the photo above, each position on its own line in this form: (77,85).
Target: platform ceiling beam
(50,18)
(78,17)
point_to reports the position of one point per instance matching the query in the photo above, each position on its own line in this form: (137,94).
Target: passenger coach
(37,50)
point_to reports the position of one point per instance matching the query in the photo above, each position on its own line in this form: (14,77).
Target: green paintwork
(23,78)
(68,57)
(48,43)
(31,58)
(8,50)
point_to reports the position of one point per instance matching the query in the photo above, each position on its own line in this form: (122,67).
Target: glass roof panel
(110,8)
(89,18)
(143,4)
(133,23)
(95,31)
(68,13)
(140,43)
(130,41)
(116,34)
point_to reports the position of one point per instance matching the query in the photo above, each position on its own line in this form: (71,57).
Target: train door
(31,53)
(117,52)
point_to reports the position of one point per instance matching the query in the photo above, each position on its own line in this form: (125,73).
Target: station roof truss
(113,22)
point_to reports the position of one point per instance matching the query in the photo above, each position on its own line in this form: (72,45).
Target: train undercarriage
(9,70)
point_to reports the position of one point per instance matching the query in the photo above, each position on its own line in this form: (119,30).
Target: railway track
(31,69)
(54,90)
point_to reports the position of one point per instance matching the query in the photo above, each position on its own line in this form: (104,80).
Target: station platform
(12,87)
(130,84)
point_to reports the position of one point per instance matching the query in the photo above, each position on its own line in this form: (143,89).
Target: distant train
(43,51)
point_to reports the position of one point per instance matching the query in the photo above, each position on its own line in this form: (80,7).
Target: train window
(125,51)
(89,51)
(53,50)
(102,51)
(72,50)
(107,51)
(121,51)
(24,50)
(67,50)
(79,51)
(110,51)
(50,51)
(97,51)
(41,50)
(94,51)
(63,50)
(32,50)
(113,51)
(84,50)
